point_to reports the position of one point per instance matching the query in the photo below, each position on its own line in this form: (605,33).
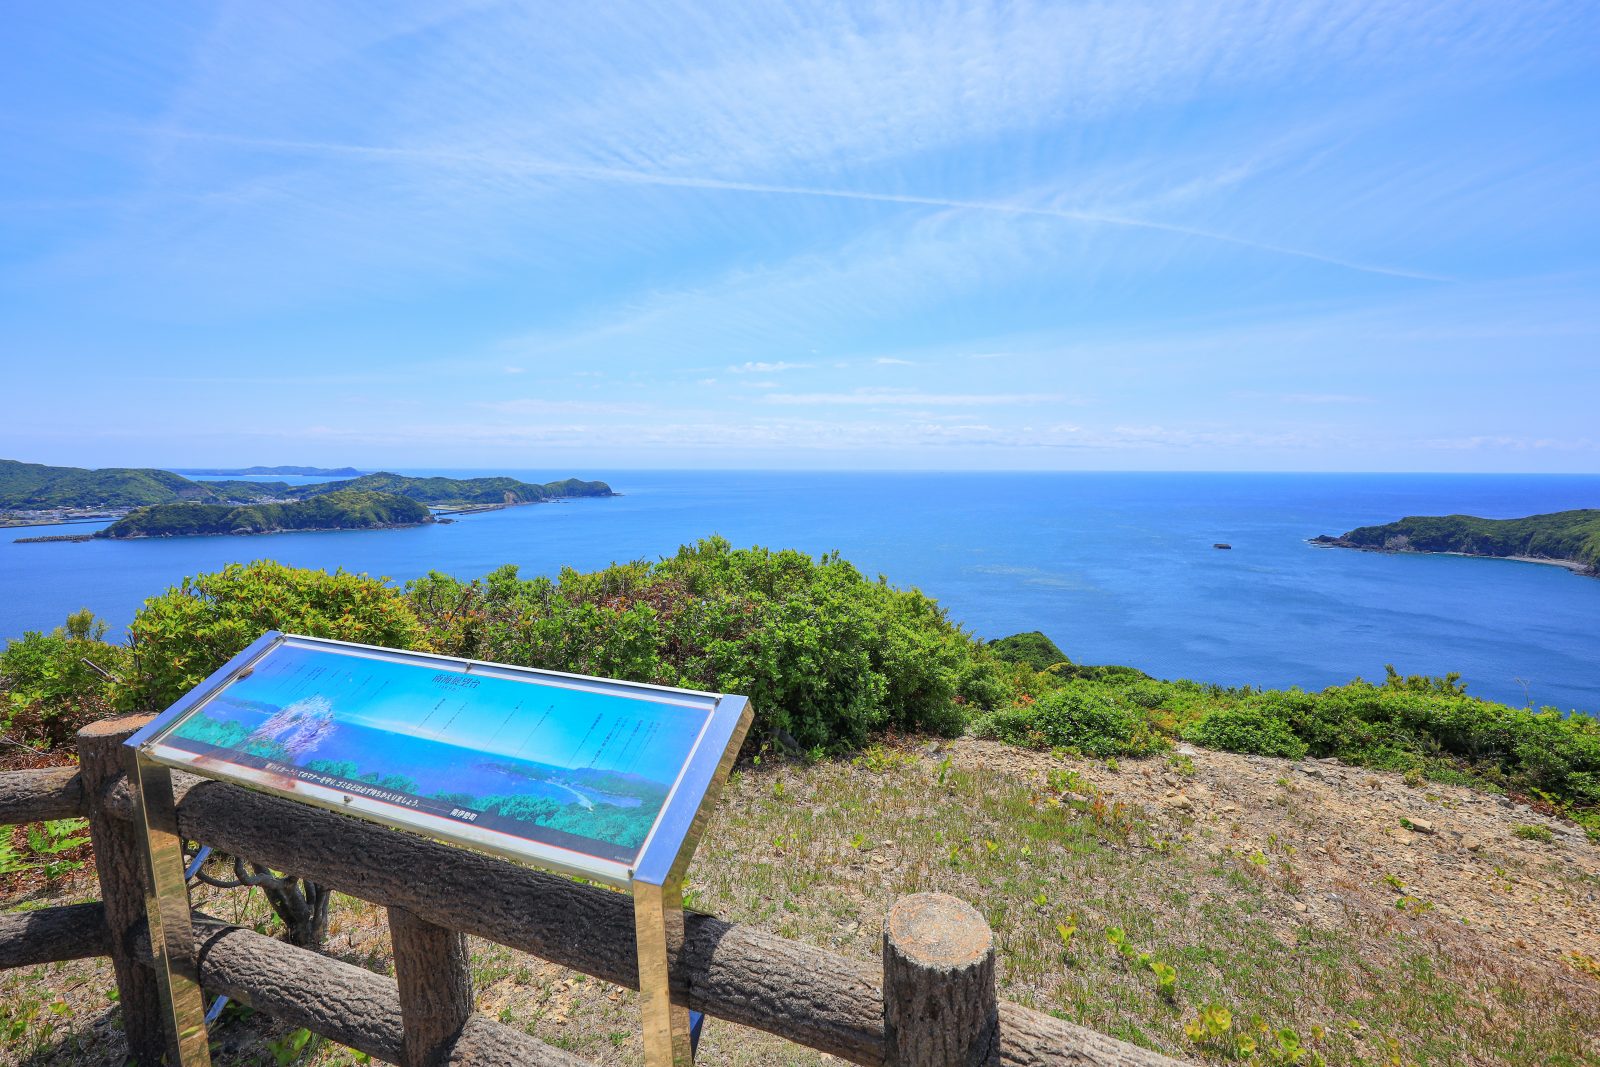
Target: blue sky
(1129,235)
(570,725)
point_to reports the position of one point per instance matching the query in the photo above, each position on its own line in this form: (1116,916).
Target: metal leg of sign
(167,905)
(658,923)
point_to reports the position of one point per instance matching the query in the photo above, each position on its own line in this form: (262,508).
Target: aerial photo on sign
(546,762)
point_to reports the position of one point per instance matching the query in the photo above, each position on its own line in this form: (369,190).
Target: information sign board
(605,779)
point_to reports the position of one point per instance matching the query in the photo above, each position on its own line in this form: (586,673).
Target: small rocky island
(1569,539)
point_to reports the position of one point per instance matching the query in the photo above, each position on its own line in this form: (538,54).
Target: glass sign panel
(573,773)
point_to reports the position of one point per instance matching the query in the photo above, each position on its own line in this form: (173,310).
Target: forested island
(257,472)
(1568,538)
(349,509)
(29,487)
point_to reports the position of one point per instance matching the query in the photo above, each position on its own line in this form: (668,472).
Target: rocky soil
(1523,883)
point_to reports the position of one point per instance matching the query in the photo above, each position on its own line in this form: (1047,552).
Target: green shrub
(827,656)
(186,633)
(1032,648)
(1250,729)
(1090,717)
(50,689)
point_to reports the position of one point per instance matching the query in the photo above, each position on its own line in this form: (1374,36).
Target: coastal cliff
(1568,538)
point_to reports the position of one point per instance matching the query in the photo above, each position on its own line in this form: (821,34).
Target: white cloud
(766,368)
(912,398)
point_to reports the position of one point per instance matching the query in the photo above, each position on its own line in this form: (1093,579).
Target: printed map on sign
(563,766)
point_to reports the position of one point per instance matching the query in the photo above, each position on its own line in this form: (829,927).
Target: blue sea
(1116,567)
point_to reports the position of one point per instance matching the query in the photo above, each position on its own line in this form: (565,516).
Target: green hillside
(35,485)
(347,510)
(1572,536)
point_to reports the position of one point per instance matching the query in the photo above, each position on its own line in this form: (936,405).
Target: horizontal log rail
(34,796)
(343,1002)
(807,995)
(50,935)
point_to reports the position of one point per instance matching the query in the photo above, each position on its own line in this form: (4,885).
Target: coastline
(1581,569)
(81,538)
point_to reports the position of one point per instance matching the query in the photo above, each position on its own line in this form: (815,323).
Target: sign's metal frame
(655,879)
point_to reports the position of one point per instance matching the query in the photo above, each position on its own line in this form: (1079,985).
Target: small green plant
(290,1047)
(944,769)
(1182,764)
(1070,781)
(1214,1031)
(1532,832)
(54,837)
(878,759)
(1067,930)
(1166,979)
(1166,975)
(10,858)
(1211,1029)
(1584,964)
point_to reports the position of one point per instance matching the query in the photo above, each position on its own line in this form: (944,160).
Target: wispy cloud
(1209,232)
(755,367)
(867,397)
(542,167)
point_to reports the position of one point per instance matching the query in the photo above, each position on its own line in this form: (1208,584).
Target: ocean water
(1116,567)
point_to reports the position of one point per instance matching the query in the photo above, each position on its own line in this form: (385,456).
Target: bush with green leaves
(1032,648)
(186,633)
(53,683)
(1247,728)
(827,656)
(1093,718)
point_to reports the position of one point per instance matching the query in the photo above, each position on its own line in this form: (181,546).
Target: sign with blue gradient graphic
(573,773)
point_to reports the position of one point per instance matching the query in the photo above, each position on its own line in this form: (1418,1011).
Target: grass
(1099,918)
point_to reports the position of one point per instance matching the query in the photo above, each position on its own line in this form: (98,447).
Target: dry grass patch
(1138,924)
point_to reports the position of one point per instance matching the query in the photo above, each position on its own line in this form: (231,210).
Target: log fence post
(940,1007)
(119,861)
(432,969)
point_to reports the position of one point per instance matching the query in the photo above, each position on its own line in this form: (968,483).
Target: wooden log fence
(931,1003)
